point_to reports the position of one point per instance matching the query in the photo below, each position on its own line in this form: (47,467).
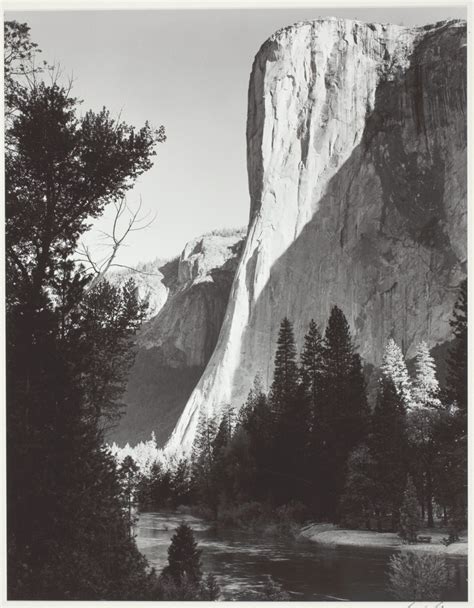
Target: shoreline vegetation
(253,517)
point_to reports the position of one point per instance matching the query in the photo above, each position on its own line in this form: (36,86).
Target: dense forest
(314,447)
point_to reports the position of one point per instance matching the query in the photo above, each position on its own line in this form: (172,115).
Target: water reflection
(242,562)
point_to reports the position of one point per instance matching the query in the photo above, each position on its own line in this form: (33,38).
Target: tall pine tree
(290,411)
(422,421)
(343,411)
(451,433)
(203,460)
(394,368)
(311,366)
(256,424)
(457,361)
(388,447)
(425,386)
(285,375)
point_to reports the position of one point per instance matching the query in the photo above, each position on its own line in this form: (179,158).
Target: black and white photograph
(235,302)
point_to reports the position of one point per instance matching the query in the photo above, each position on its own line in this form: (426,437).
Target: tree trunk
(422,500)
(395,519)
(429,499)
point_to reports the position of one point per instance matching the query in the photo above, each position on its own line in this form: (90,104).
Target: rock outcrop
(190,295)
(356,140)
(149,281)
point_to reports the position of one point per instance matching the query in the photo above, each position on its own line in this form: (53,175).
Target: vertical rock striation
(356,140)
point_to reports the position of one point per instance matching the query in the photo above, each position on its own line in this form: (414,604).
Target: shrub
(273,592)
(422,577)
(210,589)
(244,515)
(182,589)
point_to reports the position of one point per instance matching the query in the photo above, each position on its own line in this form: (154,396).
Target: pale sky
(187,70)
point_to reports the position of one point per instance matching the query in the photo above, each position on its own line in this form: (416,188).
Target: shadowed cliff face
(357,174)
(175,345)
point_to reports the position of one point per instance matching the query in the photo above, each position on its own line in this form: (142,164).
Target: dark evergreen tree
(422,423)
(358,500)
(184,558)
(291,421)
(255,429)
(221,480)
(203,461)
(457,361)
(180,482)
(312,366)
(286,374)
(241,468)
(343,411)
(102,332)
(67,535)
(451,432)
(129,479)
(388,446)
(410,521)
(457,392)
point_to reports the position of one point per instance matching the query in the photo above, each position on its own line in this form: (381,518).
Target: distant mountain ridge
(188,297)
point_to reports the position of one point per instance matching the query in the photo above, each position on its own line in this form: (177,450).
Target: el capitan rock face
(356,140)
(190,294)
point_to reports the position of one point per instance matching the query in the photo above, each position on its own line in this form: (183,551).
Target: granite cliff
(356,140)
(188,298)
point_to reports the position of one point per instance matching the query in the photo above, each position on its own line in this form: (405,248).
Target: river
(307,571)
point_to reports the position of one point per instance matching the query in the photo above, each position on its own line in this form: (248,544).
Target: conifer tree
(388,446)
(312,361)
(409,516)
(457,361)
(221,480)
(256,421)
(129,478)
(342,413)
(291,421)
(422,421)
(357,501)
(184,558)
(451,433)
(394,368)
(285,375)
(181,483)
(425,386)
(203,460)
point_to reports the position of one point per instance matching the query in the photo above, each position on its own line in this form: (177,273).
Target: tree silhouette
(184,558)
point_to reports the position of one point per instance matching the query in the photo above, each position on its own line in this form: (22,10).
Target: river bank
(331,535)
(243,559)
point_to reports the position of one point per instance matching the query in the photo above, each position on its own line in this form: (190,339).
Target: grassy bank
(331,535)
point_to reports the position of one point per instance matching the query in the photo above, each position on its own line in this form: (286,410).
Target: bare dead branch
(115,240)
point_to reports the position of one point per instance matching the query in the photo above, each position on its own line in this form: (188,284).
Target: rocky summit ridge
(189,295)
